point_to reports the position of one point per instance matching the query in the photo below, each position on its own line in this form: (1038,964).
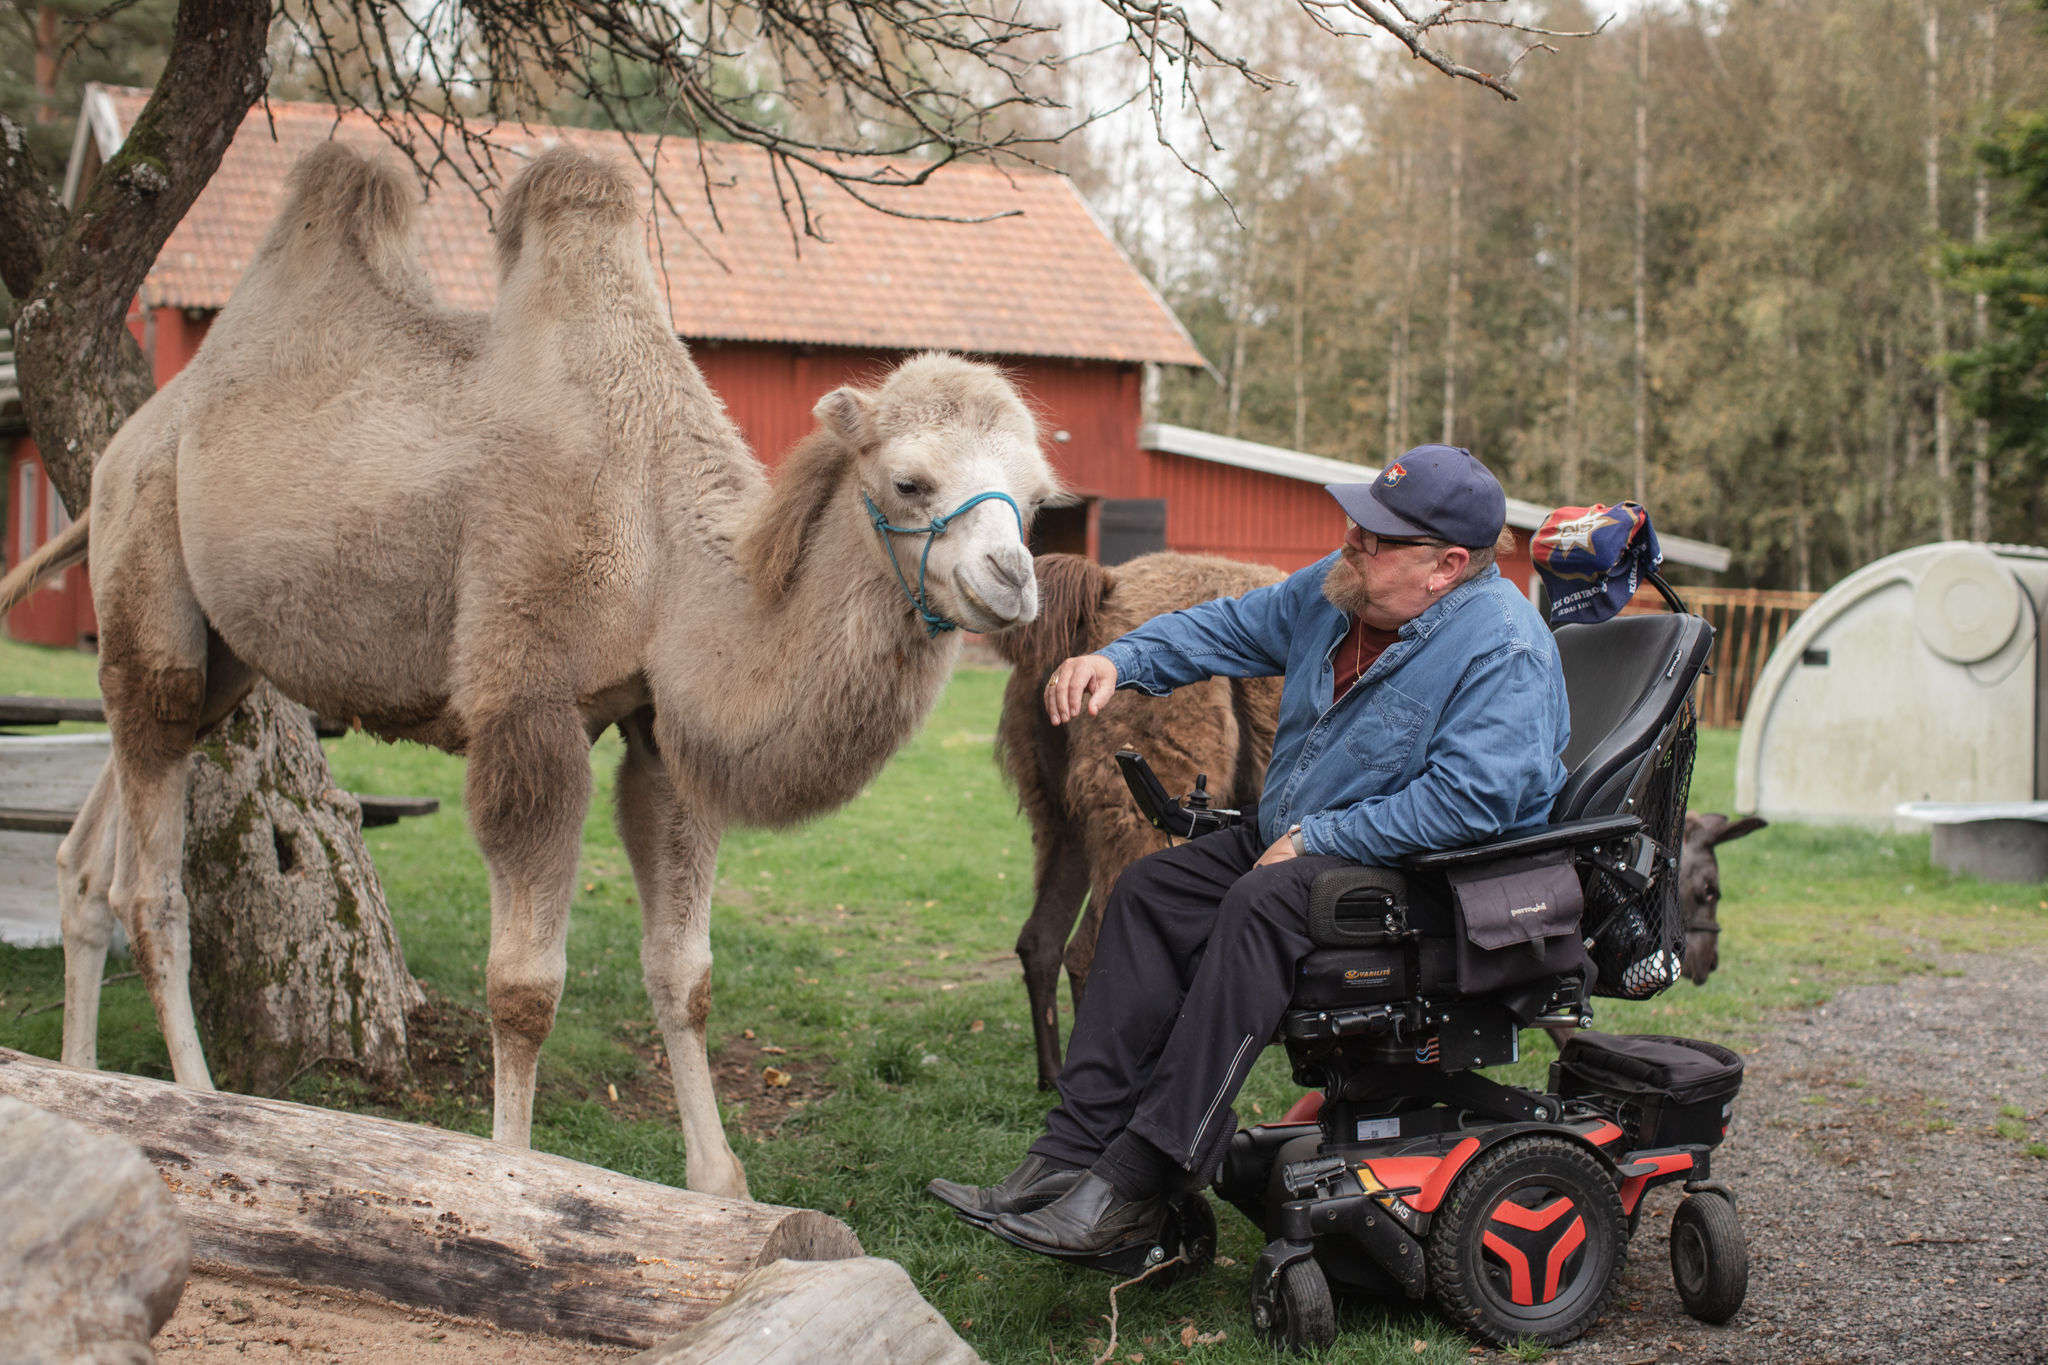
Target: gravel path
(1888,1219)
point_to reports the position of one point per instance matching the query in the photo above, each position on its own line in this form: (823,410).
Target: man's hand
(1280,852)
(1088,678)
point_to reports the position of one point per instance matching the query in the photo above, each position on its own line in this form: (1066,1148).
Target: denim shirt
(1453,736)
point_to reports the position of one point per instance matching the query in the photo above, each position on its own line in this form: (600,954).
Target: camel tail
(45,564)
(1070,592)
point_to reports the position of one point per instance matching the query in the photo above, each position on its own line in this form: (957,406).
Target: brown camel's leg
(528,787)
(85,874)
(674,852)
(1062,883)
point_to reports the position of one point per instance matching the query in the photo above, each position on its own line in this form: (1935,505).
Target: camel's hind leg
(1062,883)
(675,852)
(528,789)
(85,874)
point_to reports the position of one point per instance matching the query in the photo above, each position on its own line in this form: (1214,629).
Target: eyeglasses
(1370,543)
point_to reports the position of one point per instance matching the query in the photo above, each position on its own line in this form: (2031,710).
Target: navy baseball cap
(1434,491)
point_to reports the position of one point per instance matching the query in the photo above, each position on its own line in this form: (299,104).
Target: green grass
(839,941)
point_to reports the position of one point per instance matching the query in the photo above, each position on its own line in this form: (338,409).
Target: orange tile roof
(1048,281)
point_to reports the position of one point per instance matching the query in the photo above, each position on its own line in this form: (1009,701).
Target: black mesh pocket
(1637,938)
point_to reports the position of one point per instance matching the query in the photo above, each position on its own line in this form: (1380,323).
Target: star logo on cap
(1393,475)
(1578,535)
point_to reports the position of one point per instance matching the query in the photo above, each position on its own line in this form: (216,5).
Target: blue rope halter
(933,622)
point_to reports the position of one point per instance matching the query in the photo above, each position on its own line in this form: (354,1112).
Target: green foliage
(1792,367)
(2005,380)
(116,45)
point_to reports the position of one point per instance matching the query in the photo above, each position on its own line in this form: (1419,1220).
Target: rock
(859,1311)
(93,1255)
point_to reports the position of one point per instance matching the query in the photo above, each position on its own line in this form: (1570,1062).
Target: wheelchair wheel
(1300,1315)
(1709,1258)
(1529,1242)
(1190,1234)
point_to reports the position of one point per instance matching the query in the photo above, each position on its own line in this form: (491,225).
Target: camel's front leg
(85,874)
(675,852)
(528,787)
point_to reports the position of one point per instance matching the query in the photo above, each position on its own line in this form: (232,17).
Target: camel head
(939,433)
(1699,888)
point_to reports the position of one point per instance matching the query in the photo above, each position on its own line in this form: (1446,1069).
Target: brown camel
(499,534)
(1084,828)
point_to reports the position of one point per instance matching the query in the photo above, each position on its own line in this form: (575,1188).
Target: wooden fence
(1748,623)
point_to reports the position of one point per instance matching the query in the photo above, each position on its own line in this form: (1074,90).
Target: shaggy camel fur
(499,535)
(1084,828)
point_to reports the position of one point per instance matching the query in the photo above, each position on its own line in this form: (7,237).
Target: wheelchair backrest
(1625,679)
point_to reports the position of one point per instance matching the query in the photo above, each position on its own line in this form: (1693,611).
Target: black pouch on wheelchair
(1517,921)
(1668,1091)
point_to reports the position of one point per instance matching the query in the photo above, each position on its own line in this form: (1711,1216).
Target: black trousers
(1195,964)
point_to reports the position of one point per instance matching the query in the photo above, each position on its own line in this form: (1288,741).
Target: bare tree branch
(862,95)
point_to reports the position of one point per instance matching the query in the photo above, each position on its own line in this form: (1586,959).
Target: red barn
(776,321)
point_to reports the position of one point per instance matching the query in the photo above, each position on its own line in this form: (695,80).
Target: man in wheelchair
(1423,709)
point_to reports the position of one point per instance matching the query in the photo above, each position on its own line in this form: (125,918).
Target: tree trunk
(432,1219)
(1642,462)
(294,957)
(1944,501)
(1575,169)
(1980,313)
(278,976)
(1453,283)
(1242,294)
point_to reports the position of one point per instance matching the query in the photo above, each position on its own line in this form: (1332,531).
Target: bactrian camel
(499,534)
(1084,828)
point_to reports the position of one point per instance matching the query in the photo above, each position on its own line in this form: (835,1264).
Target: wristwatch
(1294,836)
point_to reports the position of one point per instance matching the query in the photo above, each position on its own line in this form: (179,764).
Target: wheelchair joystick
(1198,799)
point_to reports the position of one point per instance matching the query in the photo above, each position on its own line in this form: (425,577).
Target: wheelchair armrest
(1589,831)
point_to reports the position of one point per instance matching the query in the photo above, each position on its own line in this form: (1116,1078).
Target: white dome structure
(1916,678)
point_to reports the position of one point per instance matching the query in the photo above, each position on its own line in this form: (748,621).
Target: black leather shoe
(1088,1220)
(1027,1189)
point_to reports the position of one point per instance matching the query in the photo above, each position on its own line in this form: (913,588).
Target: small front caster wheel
(1709,1258)
(1299,1315)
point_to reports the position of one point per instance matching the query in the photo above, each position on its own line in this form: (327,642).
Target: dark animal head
(1699,887)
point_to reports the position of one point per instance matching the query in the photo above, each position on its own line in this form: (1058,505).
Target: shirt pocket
(1383,733)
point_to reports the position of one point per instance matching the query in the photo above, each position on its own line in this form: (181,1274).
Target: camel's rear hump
(344,210)
(565,203)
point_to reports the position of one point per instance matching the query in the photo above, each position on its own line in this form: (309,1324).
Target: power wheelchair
(1417,1175)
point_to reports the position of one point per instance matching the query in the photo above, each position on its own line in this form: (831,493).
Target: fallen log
(429,1218)
(863,1311)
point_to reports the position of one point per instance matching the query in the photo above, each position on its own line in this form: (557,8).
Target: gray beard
(1344,589)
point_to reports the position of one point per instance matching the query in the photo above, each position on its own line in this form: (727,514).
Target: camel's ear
(1749,824)
(851,416)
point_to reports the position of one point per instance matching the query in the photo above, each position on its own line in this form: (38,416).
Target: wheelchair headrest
(1625,679)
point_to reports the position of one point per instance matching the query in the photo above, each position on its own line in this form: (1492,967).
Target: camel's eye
(912,488)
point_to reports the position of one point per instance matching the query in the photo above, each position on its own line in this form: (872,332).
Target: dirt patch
(230,1320)
(1889,1218)
(759,1106)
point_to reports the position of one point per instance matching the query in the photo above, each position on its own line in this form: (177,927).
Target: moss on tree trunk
(294,957)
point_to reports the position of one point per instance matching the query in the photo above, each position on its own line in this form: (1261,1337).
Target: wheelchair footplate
(1184,1242)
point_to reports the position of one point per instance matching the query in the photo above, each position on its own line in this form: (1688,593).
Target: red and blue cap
(1435,491)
